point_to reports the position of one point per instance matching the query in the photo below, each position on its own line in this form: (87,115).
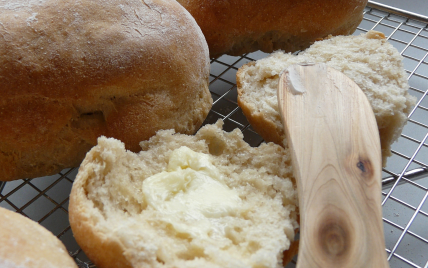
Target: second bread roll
(27,244)
(235,27)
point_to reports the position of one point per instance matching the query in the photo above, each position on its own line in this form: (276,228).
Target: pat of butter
(294,79)
(191,189)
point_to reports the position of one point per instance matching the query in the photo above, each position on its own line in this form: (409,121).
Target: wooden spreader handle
(334,140)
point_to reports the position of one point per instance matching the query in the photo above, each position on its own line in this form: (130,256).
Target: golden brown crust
(265,128)
(71,71)
(105,252)
(26,244)
(291,252)
(239,26)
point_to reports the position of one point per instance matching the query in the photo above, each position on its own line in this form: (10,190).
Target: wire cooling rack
(405,179)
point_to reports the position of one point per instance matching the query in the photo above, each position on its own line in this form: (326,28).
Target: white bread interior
(368,59)
(116,225)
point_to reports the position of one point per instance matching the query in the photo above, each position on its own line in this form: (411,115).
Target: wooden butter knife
(334,140)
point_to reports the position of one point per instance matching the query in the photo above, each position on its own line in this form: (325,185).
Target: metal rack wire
(405,178)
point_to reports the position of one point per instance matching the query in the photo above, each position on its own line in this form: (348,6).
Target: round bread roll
(26,244)
(368,59)
(71,71)
(208,200)
(235,27)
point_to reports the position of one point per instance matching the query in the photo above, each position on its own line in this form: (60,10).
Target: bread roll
(71,71)
(368,59)
(235,27)
(26,244)
(208,200)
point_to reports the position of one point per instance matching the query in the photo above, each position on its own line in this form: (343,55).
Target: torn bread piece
(208,200)
(368,59)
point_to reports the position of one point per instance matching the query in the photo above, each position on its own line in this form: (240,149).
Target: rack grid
(405,178)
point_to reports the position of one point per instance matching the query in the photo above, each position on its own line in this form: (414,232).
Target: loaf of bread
(26,244)
(235,27)
(208,200)
(71,71)
(368,59)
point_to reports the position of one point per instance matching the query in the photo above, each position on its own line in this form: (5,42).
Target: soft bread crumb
(375,35)
(368,59)
(107,202)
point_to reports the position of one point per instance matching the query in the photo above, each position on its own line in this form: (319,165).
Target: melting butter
(191,190)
